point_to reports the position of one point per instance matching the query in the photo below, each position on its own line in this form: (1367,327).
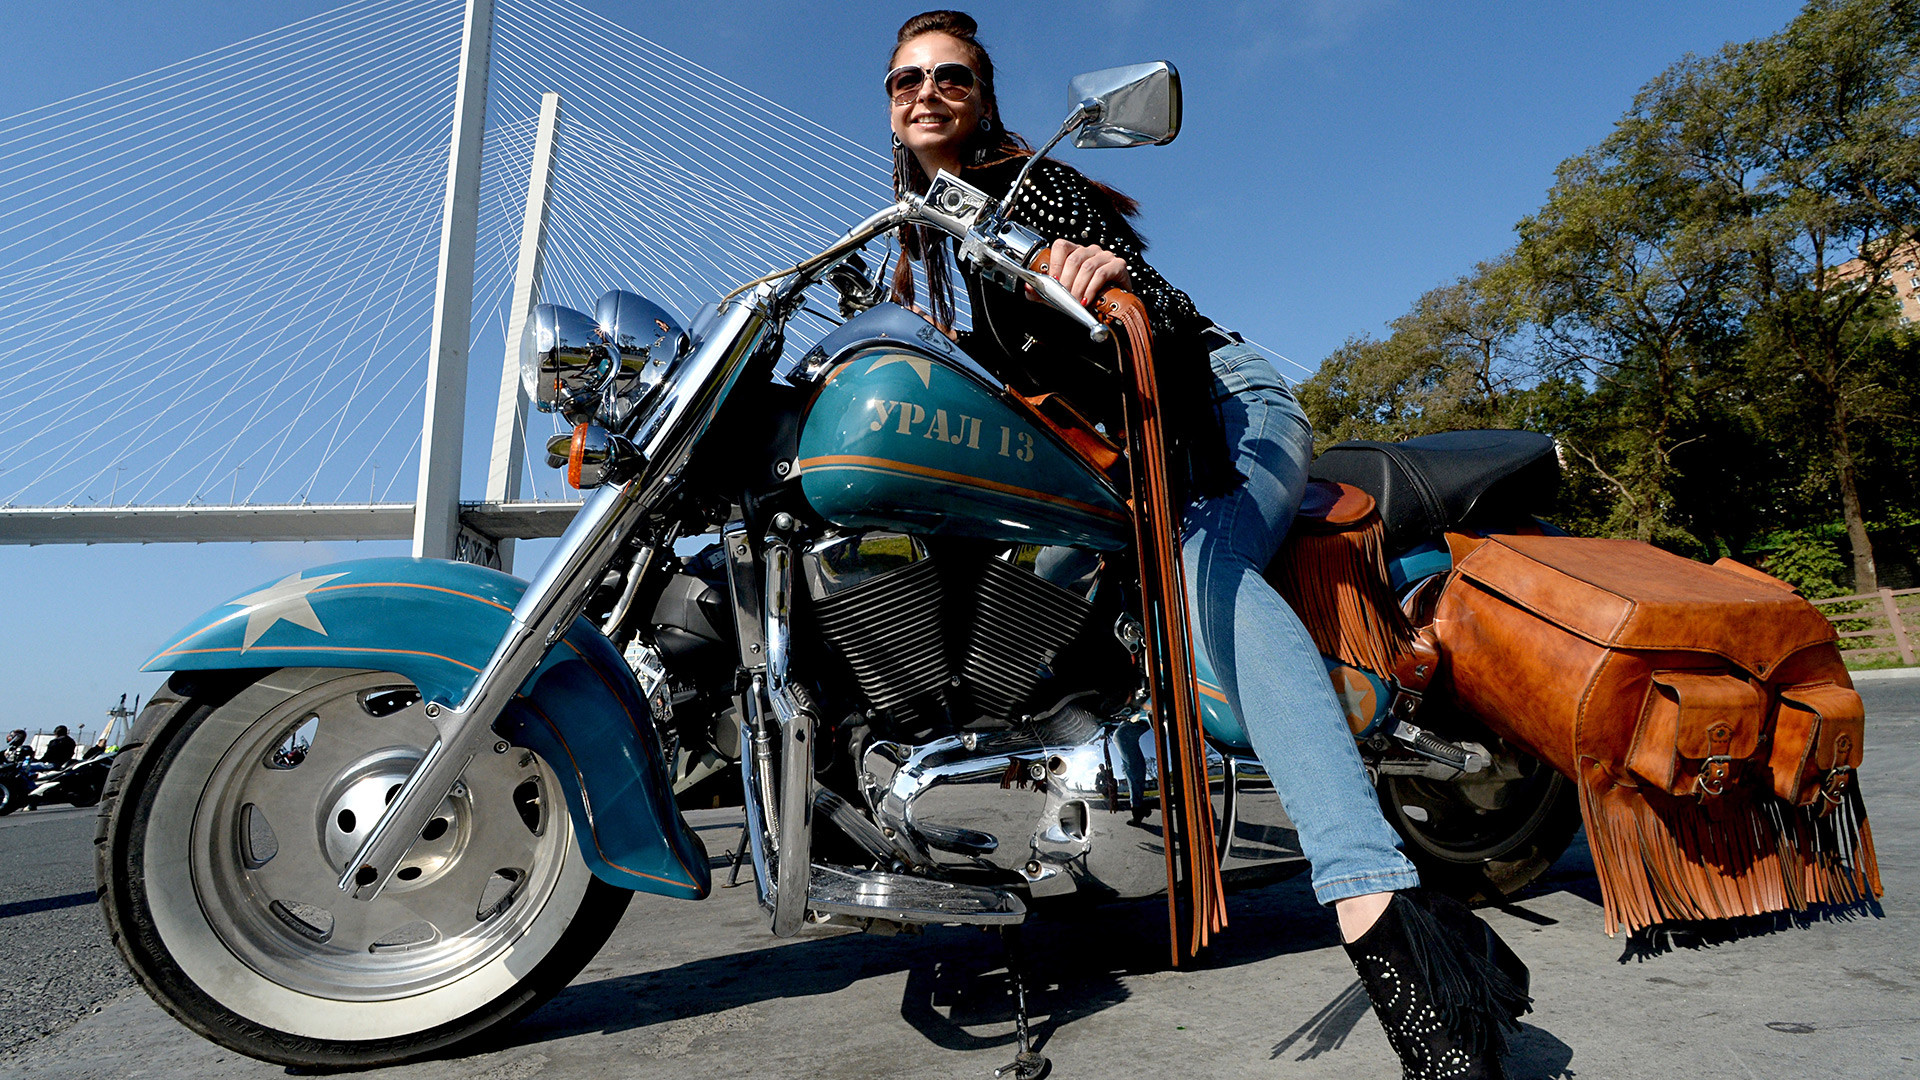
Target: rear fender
(436,623)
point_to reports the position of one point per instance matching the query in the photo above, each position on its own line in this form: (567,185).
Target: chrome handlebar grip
(1057,297)
(1000,252)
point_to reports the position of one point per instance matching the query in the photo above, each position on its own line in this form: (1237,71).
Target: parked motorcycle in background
(79,784)
(15,783)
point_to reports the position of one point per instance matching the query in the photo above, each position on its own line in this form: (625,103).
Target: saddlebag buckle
(1715,772)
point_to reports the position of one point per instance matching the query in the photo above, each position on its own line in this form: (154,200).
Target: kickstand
(739,855)
(1028,1064)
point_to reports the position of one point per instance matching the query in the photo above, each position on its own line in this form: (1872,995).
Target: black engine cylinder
(1032,602)
(878,600)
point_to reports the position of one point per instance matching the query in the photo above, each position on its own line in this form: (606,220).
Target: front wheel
(226,832)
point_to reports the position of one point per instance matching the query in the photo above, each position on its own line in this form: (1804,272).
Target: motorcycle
(79,783)
(16,781)
(383,806)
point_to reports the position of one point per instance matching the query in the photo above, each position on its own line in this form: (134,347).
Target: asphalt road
(688,990)
(56,964)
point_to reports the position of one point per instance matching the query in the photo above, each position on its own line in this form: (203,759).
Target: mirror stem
(1086,112)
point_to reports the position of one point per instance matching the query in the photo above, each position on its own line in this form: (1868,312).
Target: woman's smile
(935,128)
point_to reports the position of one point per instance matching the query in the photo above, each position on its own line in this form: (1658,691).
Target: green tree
(1675,315)
(1831,139)
(1450,363)
(1630,284)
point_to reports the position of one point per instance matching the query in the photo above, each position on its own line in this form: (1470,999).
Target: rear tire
(1484,840)
(221,835)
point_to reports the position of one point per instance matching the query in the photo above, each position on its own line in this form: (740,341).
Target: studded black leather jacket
(1037,349)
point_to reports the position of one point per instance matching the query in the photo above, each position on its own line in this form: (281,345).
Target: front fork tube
(566,582)
(778,781)
(554,598)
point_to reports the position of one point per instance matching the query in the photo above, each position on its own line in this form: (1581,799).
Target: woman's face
(931,126)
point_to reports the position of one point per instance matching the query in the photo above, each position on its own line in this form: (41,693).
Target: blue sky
(1338,159)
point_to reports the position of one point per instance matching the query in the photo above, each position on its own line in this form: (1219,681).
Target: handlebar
(1056,293)
(999,253)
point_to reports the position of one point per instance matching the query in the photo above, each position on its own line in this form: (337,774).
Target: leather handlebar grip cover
(1182,744)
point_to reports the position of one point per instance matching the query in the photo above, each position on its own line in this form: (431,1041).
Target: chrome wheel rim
(288,804)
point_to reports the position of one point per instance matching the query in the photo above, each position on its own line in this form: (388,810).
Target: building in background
(1901,274)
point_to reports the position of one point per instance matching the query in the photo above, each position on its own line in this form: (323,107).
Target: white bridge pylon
(242,291)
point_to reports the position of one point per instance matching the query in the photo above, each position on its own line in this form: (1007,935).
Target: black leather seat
(1432,483)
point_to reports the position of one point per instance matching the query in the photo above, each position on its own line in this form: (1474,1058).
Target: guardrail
(1864,618)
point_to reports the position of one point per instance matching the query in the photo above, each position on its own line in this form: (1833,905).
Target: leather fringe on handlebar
(1186,802)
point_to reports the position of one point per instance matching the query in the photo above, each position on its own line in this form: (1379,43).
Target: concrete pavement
(695,990)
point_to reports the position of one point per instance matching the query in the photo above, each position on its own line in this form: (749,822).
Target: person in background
(17,751)
(60,749)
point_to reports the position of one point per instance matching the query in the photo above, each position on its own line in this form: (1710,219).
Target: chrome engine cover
(1070,804)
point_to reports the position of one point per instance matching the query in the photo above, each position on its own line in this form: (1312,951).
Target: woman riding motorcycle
(1442,984)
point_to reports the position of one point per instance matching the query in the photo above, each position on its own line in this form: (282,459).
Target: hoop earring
(986,123)
(896,142)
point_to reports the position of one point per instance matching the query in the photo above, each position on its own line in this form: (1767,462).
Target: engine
(948,641)
(997,734)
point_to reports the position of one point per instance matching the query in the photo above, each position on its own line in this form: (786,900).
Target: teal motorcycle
(383,806)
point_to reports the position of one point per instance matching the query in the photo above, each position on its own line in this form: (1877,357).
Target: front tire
(223,835)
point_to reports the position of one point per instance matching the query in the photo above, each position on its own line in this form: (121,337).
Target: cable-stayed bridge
(232,286)
(244,297)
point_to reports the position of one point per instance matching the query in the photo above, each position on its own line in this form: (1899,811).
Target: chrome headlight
(598,368)
(646,340)
(570,365)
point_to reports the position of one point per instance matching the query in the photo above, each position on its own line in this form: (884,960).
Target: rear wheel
(1485,836)
(223,837)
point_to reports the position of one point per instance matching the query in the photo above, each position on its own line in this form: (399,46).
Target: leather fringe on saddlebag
(1703,711)
(1333,572)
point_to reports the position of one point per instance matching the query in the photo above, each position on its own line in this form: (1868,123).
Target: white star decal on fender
(921,366)
(286,599)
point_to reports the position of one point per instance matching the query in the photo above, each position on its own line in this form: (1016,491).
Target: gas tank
(906,431)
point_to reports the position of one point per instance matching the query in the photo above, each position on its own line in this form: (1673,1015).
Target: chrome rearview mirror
(1135,105)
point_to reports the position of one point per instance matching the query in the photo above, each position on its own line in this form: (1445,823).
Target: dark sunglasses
(951,80)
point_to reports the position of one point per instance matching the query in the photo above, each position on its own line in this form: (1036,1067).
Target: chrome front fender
(436,623)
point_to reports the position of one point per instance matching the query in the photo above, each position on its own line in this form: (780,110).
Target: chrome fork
(551,603)
(779,781)
(560,591)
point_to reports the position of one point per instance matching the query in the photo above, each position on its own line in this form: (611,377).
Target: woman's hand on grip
(1086,270)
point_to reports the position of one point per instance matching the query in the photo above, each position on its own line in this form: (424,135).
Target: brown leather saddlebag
(1703,712)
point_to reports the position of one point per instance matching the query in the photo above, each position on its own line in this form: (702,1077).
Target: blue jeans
(1266,663)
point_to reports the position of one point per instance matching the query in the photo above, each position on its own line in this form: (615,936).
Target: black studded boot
(1445,987)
